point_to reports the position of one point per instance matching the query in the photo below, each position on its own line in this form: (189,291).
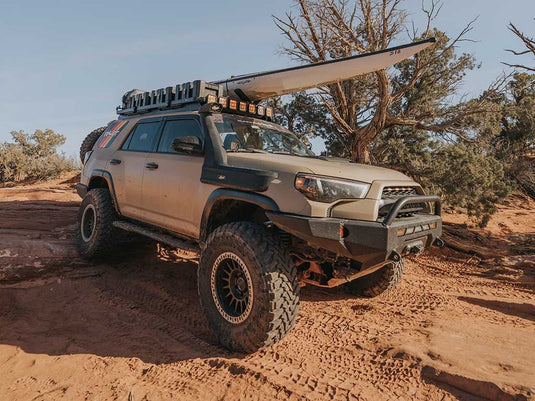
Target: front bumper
(368,242)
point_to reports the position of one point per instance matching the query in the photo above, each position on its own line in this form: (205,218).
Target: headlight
(326,189)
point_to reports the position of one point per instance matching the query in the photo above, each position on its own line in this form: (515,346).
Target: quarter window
(142,138)
(175,129)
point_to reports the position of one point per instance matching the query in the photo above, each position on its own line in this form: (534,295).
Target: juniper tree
(415,93)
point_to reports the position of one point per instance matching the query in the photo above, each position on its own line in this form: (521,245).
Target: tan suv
(214,177)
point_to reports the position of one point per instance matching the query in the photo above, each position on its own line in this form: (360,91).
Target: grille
(398,192)
(393,193)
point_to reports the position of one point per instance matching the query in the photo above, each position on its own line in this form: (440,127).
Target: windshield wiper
(282,152)
(248,150)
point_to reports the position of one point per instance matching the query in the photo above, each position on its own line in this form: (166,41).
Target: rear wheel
(374,284)
(95,219)
(247,286)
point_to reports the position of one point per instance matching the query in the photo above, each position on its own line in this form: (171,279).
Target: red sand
(457,327)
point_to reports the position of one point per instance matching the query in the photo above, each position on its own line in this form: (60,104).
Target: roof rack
(137,101)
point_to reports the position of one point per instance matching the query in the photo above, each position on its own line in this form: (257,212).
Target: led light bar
(241,107)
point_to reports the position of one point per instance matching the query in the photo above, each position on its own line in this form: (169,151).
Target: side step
(157,236)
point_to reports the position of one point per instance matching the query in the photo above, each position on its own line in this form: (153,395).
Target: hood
(333,168)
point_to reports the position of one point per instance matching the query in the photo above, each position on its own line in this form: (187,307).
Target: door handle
(151,166)
(115,161)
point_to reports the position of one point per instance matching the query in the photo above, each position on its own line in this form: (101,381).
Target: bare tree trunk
(360,151)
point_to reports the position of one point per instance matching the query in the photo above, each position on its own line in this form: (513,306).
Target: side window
(176,129)
(142,137)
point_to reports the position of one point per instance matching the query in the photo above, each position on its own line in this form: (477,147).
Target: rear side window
(142,137)
(176,129)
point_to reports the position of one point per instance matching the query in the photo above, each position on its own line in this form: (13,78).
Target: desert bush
(34,157)
(469,179)
(468,176)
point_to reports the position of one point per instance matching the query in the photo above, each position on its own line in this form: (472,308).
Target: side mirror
(187,144)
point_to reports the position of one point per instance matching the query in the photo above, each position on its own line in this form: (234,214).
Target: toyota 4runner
(215,178)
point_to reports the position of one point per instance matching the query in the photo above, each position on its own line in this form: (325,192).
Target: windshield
(244,134)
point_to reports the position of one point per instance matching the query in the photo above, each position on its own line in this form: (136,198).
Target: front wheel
(247,286)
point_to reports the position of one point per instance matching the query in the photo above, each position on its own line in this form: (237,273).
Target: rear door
(172,185)
(127,167)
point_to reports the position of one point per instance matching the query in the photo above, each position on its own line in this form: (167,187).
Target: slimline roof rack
(137,101)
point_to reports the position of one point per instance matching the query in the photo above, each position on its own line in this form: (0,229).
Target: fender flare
(109,179)
(263,201)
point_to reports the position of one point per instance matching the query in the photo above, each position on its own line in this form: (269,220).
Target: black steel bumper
(369,242)
(81,189)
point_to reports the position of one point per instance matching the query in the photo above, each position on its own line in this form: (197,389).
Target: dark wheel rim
(88,224)
(232,288)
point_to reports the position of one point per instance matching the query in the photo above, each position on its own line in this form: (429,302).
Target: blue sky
(64,65)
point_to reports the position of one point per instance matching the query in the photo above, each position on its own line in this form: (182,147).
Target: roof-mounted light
(223,101)
(232,105)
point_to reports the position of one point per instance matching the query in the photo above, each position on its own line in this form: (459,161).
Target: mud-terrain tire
(90,141)
(94,232)
(378,282)
(268,292)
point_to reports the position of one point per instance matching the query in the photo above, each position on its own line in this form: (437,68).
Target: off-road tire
(99,203)
(90,141)
(378,282)
(275,290)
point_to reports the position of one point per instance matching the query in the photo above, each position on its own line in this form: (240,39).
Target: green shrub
(34,157)
(468,179)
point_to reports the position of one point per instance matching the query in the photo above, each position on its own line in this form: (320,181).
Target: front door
(172,185)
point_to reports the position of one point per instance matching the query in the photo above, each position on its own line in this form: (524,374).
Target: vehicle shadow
(318,294)
(133,306)
(136,305)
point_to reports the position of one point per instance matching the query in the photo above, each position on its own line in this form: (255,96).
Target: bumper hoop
(411,199)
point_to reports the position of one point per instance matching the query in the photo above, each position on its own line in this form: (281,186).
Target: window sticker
(111,133)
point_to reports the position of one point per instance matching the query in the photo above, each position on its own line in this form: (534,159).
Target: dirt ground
(459,326)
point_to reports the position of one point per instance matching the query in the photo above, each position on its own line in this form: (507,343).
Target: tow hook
(414,248)
(439,242)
